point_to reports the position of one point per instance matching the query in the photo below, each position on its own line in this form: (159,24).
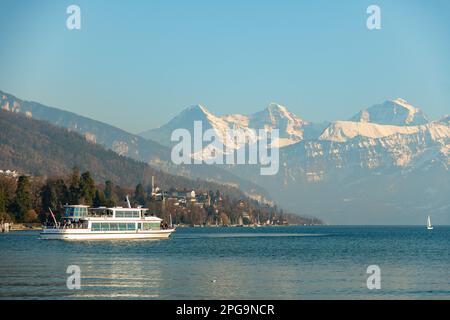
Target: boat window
(95,227)
(83,212)
(105,226)
(127,214)
(119,214)
(75,212)
(122,226)
(152,226)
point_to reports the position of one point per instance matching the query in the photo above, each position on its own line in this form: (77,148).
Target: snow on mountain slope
(445,119)
(394,112)
(292,129)
(342,131)
(390,133)
(276,116)
(393,133)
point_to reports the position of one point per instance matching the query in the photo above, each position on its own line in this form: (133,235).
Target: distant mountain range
(388,164)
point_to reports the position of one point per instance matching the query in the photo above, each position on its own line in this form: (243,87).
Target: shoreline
(38,227)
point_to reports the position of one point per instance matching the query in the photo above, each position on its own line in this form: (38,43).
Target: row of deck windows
(76,212)
(105,226)
(112,226)
(128,214)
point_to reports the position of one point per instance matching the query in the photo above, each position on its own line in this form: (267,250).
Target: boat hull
(84,234)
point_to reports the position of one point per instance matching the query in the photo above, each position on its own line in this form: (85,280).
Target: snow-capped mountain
(292,128)
(343,131)
(395,131)
(387,164)
(396,112)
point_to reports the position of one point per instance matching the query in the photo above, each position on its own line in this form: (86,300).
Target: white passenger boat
(116,223)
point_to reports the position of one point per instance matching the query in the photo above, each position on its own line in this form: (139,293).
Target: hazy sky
(136,64)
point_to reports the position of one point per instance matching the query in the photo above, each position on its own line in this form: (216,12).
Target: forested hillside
(39,148)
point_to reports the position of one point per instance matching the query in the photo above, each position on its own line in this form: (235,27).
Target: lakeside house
(9,173)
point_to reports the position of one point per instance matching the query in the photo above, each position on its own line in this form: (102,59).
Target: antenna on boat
(53,216)
(128,202)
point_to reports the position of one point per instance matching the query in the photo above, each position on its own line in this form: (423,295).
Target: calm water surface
(233,263)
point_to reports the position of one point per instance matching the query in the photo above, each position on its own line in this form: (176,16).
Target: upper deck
(83,212)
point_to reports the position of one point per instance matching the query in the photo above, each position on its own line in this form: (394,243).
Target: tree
(99,199)
(87,188)
(22,201)
(75,187)
(7,193)
(3,199)
(31,216)
(54,195)
(139,194)
(49,196)
(62,192)
(110,195)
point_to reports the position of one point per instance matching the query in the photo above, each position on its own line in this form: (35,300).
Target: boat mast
(53,216)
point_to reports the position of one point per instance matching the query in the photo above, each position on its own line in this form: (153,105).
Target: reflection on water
(122,278)
(233,263)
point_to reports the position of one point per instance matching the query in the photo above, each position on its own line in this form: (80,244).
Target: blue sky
(136,64)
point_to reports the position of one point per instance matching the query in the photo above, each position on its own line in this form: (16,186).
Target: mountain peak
(397,112)
(193,112)
(275,106)
(198,107)
(403,103)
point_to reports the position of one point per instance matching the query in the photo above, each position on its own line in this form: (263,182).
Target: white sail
(429,226)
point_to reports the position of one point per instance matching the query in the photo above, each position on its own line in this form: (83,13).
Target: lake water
(323,262)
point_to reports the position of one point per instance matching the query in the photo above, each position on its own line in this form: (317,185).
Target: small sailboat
(429,226)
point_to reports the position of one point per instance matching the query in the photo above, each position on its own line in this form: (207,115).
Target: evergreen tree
(75,187)
(87,188)
(8,188)
(54,195)
(22,201)
(49,196)
(139,194)
(62,192)
(99,199)
(110,195)
(2,199)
